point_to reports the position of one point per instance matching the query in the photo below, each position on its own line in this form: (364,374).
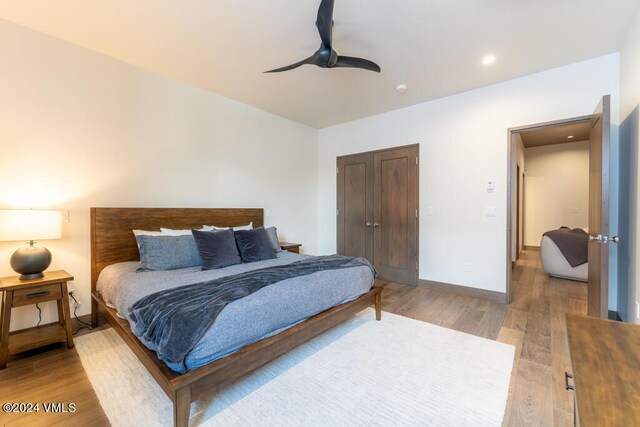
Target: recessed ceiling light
(401,88)
(488,60)
(570,137)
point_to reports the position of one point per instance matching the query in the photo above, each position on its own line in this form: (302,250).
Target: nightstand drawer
(36,294)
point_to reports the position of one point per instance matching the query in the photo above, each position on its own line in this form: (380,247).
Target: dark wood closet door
(355,205)
(396,214)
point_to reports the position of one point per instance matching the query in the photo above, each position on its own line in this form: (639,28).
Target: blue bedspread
(174,320)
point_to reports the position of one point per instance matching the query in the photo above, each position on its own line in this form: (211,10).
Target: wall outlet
(491,211)
(72,293)
(637,310)
(65,217)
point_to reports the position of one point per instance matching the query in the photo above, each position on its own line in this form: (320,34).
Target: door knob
(376,225)
(368,224)
(604,239)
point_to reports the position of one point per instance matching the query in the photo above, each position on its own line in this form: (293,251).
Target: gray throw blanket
(174,320)
(574,244)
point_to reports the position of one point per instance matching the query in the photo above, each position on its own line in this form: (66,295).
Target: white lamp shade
(32,224)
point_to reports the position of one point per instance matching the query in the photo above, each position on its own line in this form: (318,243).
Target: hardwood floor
(534,322)
(49,375)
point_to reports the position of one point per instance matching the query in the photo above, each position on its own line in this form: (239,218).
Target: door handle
(568,386)
(368,224)
(376,225)
(604,239)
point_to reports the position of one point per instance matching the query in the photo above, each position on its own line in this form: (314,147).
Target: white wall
(518,160)
(463,143)
(629,259)
(78,129)
(556,189)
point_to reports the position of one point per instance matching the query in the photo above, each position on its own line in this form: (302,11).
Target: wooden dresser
(605,356)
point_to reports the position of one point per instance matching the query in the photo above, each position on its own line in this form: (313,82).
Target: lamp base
(31,261)
(31,276)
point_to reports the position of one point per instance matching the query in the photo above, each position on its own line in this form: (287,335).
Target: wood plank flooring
(534,323)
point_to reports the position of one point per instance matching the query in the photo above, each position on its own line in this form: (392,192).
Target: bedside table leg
(5,326)
(60,313)
(94,312)
(66,314)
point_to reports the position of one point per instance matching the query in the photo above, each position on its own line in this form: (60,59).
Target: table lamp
(30,225)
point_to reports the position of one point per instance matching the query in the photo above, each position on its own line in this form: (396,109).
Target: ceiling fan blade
(309,60)
(351,62)
(324,22)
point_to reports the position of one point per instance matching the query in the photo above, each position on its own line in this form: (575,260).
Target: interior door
(355,205)
(597,298)
(395,224)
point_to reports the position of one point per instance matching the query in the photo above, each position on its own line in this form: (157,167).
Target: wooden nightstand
(290,247)
(18,293)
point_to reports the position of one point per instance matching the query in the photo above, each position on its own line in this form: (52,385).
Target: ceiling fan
(325,56)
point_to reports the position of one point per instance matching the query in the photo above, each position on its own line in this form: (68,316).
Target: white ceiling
(434,46)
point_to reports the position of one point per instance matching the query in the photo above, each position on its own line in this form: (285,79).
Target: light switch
(491,211)
(490,186)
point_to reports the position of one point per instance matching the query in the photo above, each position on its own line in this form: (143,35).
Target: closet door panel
(395,215)
(355,205)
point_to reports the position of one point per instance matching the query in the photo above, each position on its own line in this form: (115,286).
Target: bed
(555,263)
(221,356)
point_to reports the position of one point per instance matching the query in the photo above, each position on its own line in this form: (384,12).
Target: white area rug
(398,371)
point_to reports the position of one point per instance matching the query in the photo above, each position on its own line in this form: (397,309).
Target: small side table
(18,293)
(290,247)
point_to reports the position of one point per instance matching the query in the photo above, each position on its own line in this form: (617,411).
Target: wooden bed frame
(112,241)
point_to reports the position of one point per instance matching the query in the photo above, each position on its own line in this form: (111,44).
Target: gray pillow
(272,234)
(167,252)
(217,248)
(254,245)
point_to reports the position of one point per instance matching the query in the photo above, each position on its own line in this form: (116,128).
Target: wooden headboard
(112,238)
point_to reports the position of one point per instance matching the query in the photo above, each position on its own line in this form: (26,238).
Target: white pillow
(172,232)
(146,233)
(240,227)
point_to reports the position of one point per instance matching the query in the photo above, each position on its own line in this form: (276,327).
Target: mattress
(250,319)
(555,264)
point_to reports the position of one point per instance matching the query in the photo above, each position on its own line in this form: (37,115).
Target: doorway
(377,215)
(597,128)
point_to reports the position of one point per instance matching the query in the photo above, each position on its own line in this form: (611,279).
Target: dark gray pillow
(254,245)
(167,252)
(272,234)
(217,248)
